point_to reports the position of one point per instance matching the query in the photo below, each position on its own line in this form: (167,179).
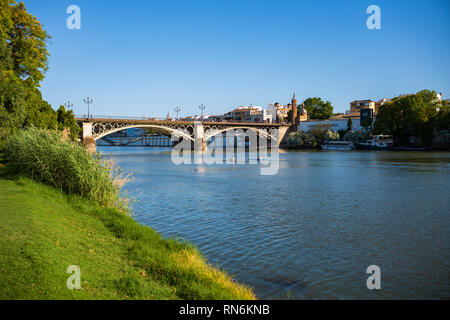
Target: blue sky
(143,58)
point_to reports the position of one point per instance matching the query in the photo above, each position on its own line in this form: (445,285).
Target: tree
(318,109)
(319,131)
(12,103)
(26,41)
(23,63)
(367,123)
(411,115)
(66,120)
(350,124)
(443,120)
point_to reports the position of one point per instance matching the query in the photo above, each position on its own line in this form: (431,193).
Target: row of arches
(185,132)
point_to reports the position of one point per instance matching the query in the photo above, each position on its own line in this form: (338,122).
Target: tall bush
(332,135)
(356,136)
(297,139)
(45,157)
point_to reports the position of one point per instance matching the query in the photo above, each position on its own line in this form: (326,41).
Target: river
(312,230)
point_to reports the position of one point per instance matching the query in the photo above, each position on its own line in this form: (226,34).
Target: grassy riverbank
(44,231)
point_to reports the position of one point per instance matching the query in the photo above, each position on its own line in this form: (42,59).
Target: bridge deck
(167,122)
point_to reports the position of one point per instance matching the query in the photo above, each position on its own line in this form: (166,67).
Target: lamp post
(68,105)
(202,107)
(177,110)
(88,101)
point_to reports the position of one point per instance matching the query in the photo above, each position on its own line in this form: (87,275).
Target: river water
(312,230)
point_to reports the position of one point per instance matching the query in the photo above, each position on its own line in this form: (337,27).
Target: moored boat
(338,146)
(380,142)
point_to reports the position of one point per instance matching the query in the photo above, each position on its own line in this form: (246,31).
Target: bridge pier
(88,141)
(283,133)
(199,137)
(87,130)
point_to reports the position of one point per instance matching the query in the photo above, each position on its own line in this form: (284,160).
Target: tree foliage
(26,41)
(356,136)
(23,63)
(319,131)
(297,139)
(66,120)
(332,135)
(367,123)
(318,109)
(349,124)
(443,117)
(411,115)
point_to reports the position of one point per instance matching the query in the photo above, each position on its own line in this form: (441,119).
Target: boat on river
(380,142)
(338,146)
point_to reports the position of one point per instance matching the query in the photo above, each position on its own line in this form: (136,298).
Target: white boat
(380,142)
(338,146)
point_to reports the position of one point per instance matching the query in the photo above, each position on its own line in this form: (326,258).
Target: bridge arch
(177,132)
(211,132)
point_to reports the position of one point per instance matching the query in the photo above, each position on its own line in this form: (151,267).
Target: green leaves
(318,109)
(297,139)
(349,124)
(44,156)
(27,41)
(66,120)
(411,115)
(23,63)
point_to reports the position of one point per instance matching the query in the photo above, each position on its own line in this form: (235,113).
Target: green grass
(44,231)
(44,156)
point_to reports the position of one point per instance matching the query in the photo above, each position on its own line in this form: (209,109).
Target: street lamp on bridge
(177,110)
(202,107)
(68,105)
(88,101)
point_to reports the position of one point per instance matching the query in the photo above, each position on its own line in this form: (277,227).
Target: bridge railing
(106,117)
(91,116)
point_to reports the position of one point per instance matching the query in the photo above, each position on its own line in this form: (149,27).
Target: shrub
(342,133)
(297,139)
(332,135)
(45,157)
(356,136)
(445,135)
(319,131)
(314,143)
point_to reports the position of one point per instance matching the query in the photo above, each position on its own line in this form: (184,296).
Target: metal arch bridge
(199,132)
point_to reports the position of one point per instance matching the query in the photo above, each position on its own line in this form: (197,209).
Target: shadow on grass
(7,172)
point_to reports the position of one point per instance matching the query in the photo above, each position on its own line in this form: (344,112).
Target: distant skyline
(144,58)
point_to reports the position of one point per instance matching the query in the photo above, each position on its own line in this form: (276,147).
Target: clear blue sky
(146,57)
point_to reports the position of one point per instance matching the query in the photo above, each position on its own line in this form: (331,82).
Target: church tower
(294,111)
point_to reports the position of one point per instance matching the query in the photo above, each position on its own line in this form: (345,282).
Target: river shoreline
(44,232)
(310,231)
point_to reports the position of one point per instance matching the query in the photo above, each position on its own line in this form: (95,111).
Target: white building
(249,114)
(279,111)
(335,125)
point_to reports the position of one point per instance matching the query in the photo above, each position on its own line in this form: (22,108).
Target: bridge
(95,128)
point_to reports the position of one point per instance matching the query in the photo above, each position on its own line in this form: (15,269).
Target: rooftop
(359,101)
